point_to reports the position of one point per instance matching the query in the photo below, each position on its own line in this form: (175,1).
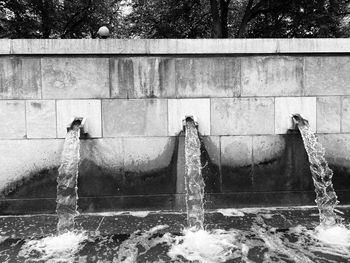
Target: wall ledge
(171,46)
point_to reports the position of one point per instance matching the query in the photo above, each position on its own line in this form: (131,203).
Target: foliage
(300,18)
(174,18)
(168,19)
(55,18)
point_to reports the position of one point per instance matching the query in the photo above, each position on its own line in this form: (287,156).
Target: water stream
(194,183)
(326,198)
(67,195)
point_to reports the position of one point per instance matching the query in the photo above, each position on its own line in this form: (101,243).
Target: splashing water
(60,248)
(326,198)
(207,247)
(129,251)
(193,178)
(67,191)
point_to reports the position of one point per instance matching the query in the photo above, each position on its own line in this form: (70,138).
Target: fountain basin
(256,233)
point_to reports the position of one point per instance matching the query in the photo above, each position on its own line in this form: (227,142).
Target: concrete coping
(172,46)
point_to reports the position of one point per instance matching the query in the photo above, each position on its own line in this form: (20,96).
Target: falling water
(326,198)
(67,195)
(193,177)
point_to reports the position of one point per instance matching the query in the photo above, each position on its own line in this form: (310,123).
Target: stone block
(328,114)
(236,162)
(134,117)
(210,160)
(272,76)
(280,164)
(75,78)
(208,77)
(41,118)
(267,148)
(337,152)
(212,147)
(142,77)
(20,78)
(286,107)
(240,116)
(236,150)
(5,46)
(12,119)
(327,75)
(101,168)
(345,118)
(179,108)
(106,153)
(337,148)
(145,154)
(68,109)
(22,158)
(150,165)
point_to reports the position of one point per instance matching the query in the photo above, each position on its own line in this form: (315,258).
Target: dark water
(230,235)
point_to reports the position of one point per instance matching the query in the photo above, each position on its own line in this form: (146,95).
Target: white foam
(60,248)
(207,247)
(336,235)
(121,213)
(230,212)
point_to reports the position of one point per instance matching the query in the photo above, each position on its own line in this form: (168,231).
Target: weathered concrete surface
(68,109)
(22,158)
(20,78)
(179,108)
(236,150)
(207,77)
(41,118)
(286,107)
(272,76)
(327,75)
(75,78)
(147,154)
(345,120)
(328,114)
(134,117)
(5,46)
(236,162)
(100,169)
(267,148)
(212,146)
(211,164)
(142,77)
(174,46)
(12,119)
(107,153)
(280,164)
(242,116)
(337,147)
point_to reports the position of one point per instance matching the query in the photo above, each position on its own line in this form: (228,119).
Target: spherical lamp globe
(103,32)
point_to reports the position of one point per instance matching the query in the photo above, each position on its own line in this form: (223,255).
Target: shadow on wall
(102,186)
(282,179)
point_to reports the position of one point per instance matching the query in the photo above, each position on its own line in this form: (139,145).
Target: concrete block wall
(136,93)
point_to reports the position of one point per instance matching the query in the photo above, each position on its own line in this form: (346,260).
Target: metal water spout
(298,121)
(189,118)
(78,122)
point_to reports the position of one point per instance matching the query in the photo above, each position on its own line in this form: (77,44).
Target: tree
(167,19)
(55,18)
(174,18)
(297,18)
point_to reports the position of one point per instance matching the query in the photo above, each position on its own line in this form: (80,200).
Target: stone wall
(135,94)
